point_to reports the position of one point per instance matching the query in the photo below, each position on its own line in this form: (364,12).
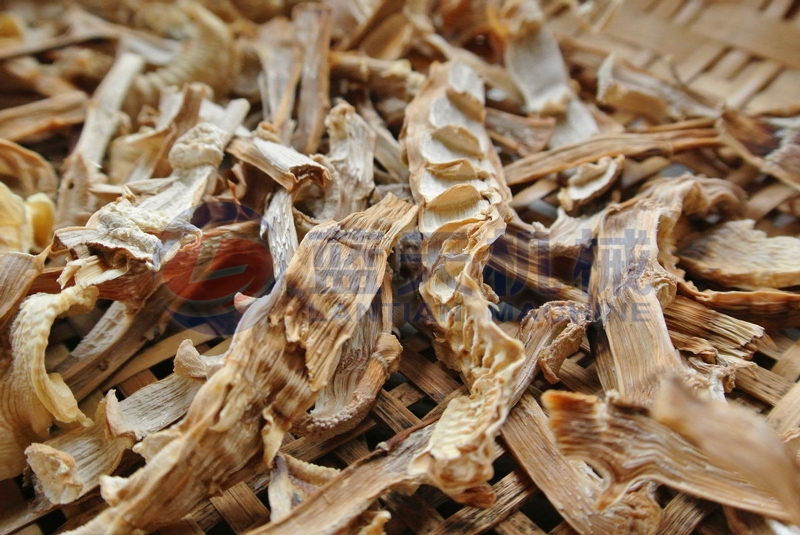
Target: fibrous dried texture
(284,164)
(208,56)
(144,154)
(773,145)
(287,345)
(26,224)
(762,458)
(457,180)
(729,338)
(533,58)
(70,465)
(17,272)
(75,200)
(352,149)
(124,234)
(352,19)
(628,290)
(579,499)
(122,255)
(368,358)
(551,334)
(280,54)
(519,135)
(31,398)
(292,482)
(589,182)
(639,92)
(691,198)
(29,121)
(564,157)
(357,486)
(625,446)
(736,255)
(313,23)
(390,78)
(31,173)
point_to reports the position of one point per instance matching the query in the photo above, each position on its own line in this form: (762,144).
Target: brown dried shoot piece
(292,481)
(668,142)
(590,181)
(283,164)
(120,238)
(637,91)
(25,225)
(550,334)
(729,338)
(519,135)
(457,181)
(356,487)
(147,310)
(527,255)
(125,234)
(391,39)
(75,201)
(532,57)
(156,50)
(352,20)
(712,426)
(626,446)
(281,62)
(735,254)
(572,488)
(351,156)
(496,76)
(772,308)
(384,77)
(691,197)
(628,289)
(388,151)
(771,144)
(31,398)
(372,353)
(569,236)
(368,358)
(25,171)
(579,124)
(68,32)
(208,55)
(124,254)
(285,350)
(314,23)
(38,118)
(70,465)
(643,344)
(17,273)
(144,155)
(280,231)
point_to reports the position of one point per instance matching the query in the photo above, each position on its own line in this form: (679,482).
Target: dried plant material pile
(381,267)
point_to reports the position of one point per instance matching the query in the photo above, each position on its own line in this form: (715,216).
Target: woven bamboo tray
(747,53)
